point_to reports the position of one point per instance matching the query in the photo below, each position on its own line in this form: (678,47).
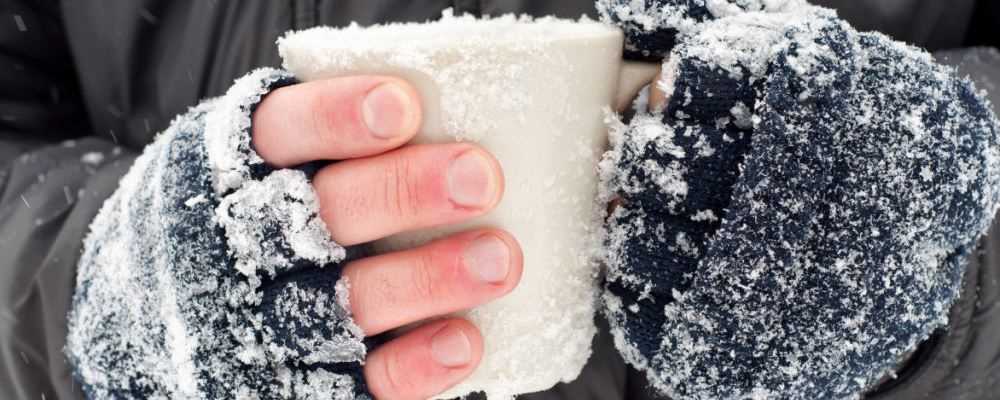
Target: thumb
(657,93)
(634,77)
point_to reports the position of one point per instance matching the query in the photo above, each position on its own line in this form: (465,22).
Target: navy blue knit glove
(797,217)
(208,275)
(652,27)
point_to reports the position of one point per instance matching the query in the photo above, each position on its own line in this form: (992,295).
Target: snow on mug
(532,92)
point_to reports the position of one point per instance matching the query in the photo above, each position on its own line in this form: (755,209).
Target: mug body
(534,93)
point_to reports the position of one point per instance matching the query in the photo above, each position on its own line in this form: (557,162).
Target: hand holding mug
(379,187)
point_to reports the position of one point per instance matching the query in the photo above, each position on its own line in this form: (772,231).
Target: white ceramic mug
(534,93)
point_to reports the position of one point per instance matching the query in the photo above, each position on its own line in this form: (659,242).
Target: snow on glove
(798,216)
(653,26)
(209,275)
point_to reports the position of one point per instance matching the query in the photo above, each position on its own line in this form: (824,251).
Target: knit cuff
(228,128)
(293,296)
(209,275)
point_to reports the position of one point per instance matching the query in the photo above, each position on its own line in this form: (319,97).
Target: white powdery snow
(680,16)
(228,138)
(286,200)
(170,281)
(913,166)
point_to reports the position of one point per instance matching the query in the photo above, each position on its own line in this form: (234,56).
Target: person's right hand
(381,187)
(799,204)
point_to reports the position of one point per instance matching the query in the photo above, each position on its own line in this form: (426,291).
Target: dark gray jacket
(85,85)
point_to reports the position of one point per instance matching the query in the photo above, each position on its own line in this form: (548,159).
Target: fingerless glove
(209,275)
(798,215)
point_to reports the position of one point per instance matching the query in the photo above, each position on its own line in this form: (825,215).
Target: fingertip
(476,341)
(514,257)
(335,119)
(498,175)
(487,187)
(457,344)
(426,361)
(392,110)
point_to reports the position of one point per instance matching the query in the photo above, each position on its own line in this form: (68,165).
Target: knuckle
(336,202)
(401,192)
(391,381)
(318,115)
(340,196)
(382,294)
(370,295)
(326,117)
(426,285)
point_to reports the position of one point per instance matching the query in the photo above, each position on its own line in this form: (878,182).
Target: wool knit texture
(798,216)
(794,220)
(652,26)
(191,286)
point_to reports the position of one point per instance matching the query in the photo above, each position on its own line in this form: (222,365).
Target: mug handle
(633,76)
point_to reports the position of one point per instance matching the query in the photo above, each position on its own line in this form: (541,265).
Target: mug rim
(453,32)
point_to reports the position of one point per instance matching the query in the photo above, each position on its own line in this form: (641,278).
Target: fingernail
(470,180)
(386,110)
(487,258)
(451,348)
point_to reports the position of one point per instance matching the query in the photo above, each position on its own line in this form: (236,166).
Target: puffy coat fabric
(85,86)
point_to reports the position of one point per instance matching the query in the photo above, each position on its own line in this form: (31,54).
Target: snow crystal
(324,385)
(196,200)
(640,17)
(743,48)
(670,179)
(299,310)
(703,146)
(926,174)
(704,215)
(283,203)
(229,150)
(93,158)
(743,116)
(20,23)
